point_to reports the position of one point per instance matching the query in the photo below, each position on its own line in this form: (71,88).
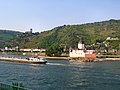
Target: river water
(63,75)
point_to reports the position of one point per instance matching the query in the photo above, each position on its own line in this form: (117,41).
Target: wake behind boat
(32,60)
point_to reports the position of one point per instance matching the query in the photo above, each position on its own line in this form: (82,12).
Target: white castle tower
(81,51)
(81,45)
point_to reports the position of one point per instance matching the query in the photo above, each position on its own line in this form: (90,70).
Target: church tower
(81,45)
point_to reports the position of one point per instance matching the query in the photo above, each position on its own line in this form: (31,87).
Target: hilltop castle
(29,32)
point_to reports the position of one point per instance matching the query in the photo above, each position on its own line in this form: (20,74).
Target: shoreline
(74,60)
(68,58)
(112,59)
(97,59)
(59,58)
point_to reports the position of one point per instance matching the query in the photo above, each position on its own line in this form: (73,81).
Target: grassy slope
(70,34)
(6,35)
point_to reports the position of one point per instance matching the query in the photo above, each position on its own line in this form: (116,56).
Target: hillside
(69,35)
(7,35)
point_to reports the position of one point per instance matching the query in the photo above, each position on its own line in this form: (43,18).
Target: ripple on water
(63,75)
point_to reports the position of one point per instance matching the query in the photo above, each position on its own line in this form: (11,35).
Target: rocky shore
(79,60)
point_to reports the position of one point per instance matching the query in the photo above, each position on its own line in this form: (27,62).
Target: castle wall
(77,53)
(82,53)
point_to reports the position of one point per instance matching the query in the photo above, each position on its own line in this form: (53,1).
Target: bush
(54,50)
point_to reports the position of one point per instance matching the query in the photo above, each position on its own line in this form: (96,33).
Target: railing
(14,86)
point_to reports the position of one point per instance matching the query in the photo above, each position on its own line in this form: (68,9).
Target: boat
(37,60)
(31,60)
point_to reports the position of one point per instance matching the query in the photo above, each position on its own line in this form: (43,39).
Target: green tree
(54,50)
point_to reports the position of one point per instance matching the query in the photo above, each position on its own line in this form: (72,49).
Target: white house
(82,52)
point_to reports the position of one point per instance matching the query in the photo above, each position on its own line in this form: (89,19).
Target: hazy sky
(46,14)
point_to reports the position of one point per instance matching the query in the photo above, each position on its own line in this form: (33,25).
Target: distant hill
(69,35)
(7,35)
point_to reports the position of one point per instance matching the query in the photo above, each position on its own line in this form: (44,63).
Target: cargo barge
(25,60)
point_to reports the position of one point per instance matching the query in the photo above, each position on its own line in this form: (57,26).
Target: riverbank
(99,57)
(80,59)
(59,58)
(83,60)
(113,59)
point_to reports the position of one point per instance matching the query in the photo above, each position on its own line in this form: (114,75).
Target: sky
(42,15)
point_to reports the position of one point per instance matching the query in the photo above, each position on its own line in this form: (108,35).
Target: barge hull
(21,61)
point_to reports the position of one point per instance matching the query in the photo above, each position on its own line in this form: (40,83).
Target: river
(63,75)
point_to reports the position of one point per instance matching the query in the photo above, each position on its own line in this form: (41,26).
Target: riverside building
(82,52)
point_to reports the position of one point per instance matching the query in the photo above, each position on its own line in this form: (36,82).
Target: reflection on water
(63,75)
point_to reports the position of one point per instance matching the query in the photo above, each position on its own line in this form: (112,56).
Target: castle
(82,52)
(29,32)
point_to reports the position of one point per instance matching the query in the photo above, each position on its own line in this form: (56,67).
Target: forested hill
(7,35)
(69,35)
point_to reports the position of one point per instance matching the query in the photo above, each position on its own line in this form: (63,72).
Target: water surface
(63,75)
